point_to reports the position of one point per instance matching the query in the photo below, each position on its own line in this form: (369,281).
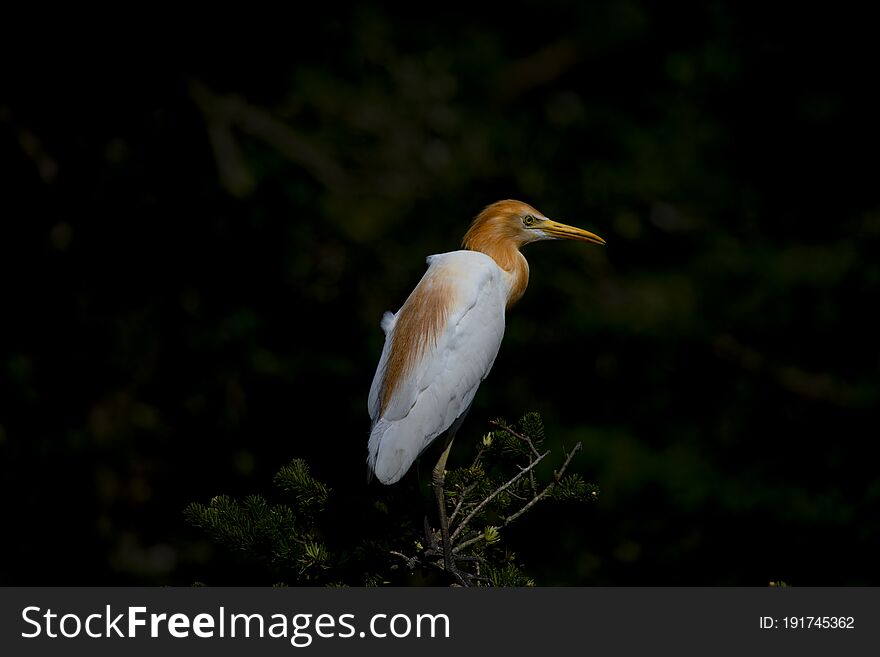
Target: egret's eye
(529,220)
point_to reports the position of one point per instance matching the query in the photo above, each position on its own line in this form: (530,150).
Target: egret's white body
(441,383)
(443,341)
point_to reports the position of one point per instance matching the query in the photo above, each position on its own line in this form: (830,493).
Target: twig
(461,546)
(411,562)
(497,492)
(557,476)
(537,498)
(460,502)
(505,427)
(475,559)
(574,450)
(466,540)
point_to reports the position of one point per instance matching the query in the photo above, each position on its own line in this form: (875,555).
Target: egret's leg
(438,477)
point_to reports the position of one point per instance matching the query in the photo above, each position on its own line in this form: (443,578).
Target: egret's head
(515,223)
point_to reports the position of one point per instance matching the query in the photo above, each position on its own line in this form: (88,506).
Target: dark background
(196,249)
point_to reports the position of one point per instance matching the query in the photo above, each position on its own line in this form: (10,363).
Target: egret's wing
(438,348)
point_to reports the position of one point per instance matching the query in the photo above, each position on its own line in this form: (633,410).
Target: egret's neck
(519,278)
(508,257)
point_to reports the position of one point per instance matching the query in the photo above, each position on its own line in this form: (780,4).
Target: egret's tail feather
(390,454)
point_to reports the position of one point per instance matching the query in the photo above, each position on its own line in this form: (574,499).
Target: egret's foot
(460,577)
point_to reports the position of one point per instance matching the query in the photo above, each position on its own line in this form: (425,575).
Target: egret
(443,341)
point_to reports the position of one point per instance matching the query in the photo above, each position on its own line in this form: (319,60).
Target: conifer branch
(496,492)
(461,498)
(557,476)
(291,537)
(506,427)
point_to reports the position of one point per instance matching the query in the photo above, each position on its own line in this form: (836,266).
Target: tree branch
(557,476)
(505,427)
(495,494)
(461,498)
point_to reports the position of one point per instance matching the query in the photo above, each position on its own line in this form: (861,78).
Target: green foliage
(291,537)
(308,493)
(533,426)
(573,487)
(508,574)
(279,535)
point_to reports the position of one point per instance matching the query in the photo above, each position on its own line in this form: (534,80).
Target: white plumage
(442,380)
(443,341)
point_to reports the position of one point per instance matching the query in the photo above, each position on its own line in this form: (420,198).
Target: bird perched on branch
(443,341)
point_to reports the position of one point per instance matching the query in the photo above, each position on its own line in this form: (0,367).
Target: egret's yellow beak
(561,231)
